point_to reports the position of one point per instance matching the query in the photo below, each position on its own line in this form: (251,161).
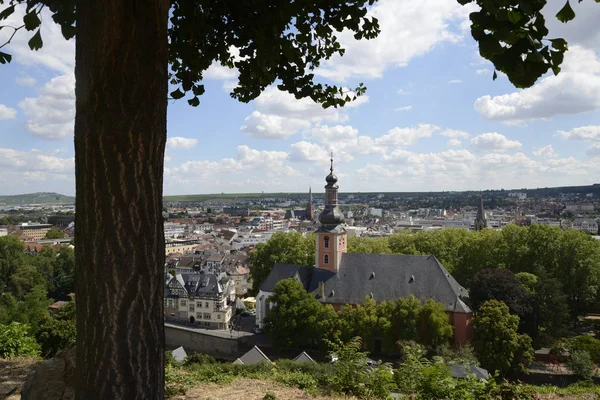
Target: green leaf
(495,76)
(566,13)
(68,31)
(31,21)
(7,12)
(5,58)
(177,94)
(514,16)
(559,44)
(36,43)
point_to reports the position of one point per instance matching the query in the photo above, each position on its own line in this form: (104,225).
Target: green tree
(529,281)
(57,331)
(297,320)
(368,245)
(55,233)
(11,258)
(435,329)
(24,280)
(16,340)
(498,345)
(282,248)
(581,364)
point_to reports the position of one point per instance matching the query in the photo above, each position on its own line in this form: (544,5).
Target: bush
(581,364)
(15,340)
(586,343)
(269,396)
(199,358)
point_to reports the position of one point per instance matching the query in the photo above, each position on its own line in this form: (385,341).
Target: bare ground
(13,372)
(250,389)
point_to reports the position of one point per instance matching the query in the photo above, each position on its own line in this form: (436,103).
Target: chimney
(322,290)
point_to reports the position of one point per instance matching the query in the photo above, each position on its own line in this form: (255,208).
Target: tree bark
(120,134)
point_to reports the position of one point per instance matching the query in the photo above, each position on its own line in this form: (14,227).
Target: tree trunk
(120,135)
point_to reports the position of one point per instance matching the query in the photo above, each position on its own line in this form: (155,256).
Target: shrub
(269,396)
(199,358)
(581,364)
(586,343)
(15,340)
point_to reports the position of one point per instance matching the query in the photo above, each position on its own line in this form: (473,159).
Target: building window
(206,316)
(206,304)
(326,241)
(218,316)
(191,307)
(326,259)
(199,304)
(183,303)
(199,315)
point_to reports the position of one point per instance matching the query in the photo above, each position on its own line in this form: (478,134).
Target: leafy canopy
(512,35)
(266,44)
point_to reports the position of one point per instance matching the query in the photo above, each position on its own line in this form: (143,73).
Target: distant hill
(36,198)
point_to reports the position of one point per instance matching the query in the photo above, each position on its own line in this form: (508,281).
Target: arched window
(326,259)
(326,241)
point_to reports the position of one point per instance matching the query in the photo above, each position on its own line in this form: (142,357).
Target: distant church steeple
(331,236)
(480,221)
(310,211)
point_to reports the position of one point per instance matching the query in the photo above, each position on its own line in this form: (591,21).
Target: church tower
(480,221)
(331,236)
(310,211)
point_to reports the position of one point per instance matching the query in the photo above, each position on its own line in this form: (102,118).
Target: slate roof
(461,371)
(179,354)
(255,355)
(382,276)
(303,357)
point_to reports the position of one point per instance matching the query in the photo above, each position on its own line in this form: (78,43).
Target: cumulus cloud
(575,90)
(51,114)
(406,136)
(454,142)
(482,71)
(494,142)
(179,142)
(453,133)
(545,152)
(409,29)
(593,150)
(589,133)
(7,112)
(279,114)
(405,108)
(306,151)
(25,81)
(345,140)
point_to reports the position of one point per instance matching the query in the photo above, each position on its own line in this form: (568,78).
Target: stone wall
(218,344)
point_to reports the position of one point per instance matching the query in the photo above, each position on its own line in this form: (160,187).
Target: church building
(340,278)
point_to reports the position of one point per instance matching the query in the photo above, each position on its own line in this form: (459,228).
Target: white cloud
(7,112)
(482,71)
(589,133)
(575,90)
(25,81)
(306,151)
(584,30)
(455,81)
(494,142)
(56,54)
(344,140)
(279,114)
(454,142)
(453,133)
(594,150)
(405,108)
(406,136)
(179,142)
(409,29)
(51,115)
(545,152)
(217,71)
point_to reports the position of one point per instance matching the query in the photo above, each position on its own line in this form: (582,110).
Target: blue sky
(433,118)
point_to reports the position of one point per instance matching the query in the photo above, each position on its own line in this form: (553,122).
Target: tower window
(326,241)
(326,259)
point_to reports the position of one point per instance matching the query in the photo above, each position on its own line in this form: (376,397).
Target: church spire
(331,215)
(480,221)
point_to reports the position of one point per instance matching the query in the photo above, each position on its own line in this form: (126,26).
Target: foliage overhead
(266,44)
(512,34)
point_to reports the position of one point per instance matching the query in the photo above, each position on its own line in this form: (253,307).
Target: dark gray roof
(382,276)
(285,271)
(461,371)
(201,283)
(303,357)
(253,356)
(387,276)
